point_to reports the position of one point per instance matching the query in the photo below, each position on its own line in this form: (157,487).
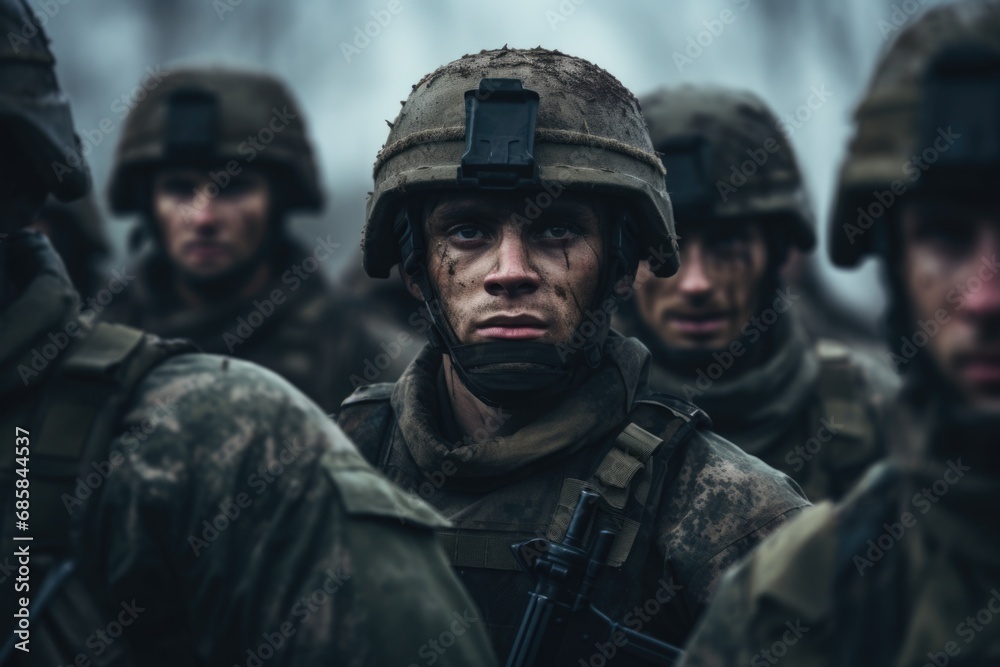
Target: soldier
(168,508)
(214,160)
(76,230)
(904,571)
(517,190)
(725,332)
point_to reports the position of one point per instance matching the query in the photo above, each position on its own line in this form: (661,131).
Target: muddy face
(503,276)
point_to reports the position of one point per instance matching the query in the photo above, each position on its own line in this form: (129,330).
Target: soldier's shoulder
(365,415)
(715,468)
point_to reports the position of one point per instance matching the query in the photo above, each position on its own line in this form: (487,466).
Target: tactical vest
(629,471)
(71,419)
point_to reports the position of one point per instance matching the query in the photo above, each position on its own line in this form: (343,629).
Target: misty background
(349,81)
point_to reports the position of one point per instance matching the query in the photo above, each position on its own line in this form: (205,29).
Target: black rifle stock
(566,574)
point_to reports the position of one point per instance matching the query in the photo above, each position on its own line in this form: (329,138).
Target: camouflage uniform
(904,570)
(315,337)
(811,410)
(685,503)
(184,508)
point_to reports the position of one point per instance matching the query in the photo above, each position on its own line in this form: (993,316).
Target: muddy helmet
(726,159)
(33,109)
(211,115)
(519,120)
(931,114)
(562,119)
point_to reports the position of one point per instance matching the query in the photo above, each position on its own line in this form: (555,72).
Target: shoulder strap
(361,415)
(839,392)
(616,477)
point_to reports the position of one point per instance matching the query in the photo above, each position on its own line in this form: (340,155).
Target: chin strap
(513,373)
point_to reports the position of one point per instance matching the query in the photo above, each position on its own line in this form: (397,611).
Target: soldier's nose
(513,273)
(692,277)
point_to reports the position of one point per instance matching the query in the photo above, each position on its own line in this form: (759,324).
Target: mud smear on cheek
(560,292)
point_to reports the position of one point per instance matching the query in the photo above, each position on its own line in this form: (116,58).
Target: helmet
(215,115)
(33,109)
(726,158)
(576,125)
(528,120)
(934,99)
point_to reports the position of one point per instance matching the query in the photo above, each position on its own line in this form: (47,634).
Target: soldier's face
(949,269)
(502,277)
(210,231)
(715,292)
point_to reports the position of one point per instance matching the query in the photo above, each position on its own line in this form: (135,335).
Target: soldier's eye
(555,232)
(951,236)
(467,233)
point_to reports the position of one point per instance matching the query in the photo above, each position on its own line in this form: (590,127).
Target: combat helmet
(34,110)
(726,158)
(211,115)
(931,113)
(522,120)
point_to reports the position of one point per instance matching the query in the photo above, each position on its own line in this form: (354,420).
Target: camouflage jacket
(905,572)
(813,411)
(296,326)
(696,507)
(227,521)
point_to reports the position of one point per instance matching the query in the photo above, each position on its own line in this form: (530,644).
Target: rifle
(565,575)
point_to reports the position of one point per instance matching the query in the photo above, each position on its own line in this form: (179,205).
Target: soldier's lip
(699,324)
(201,249)
(512,327)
